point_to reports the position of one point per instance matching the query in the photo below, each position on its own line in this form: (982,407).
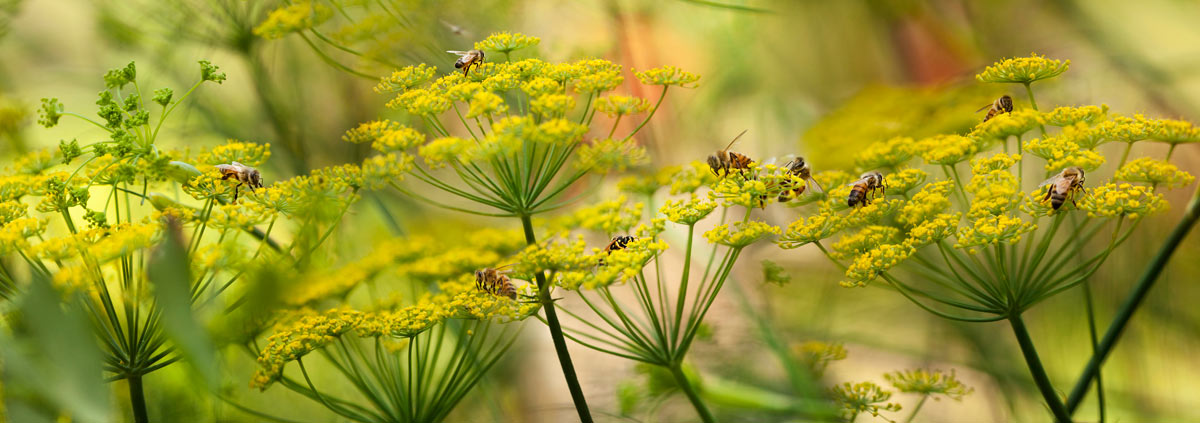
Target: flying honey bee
(1062,186)
(868,183)
(466,59)
(798,167)
(245,175)
(726,160)
(1001,105)
(495,282)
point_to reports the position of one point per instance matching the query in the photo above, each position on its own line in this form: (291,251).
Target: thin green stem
(651,114)
(916,409)
(137,399)
(1039,373)
(692,394)
(1091,316)
(1133,301)
(1033,103)
(556,333)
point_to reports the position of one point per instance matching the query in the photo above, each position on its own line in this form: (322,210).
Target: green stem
(556,333)
(916,409)
(651,114)
(1091,314)
(137,399)
(1033,103)
(1133,301)
(1039,373)
(1125,155)
(691,392)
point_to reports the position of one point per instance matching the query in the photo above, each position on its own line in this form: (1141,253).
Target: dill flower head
(506,42)
(14,235)
(687,212)
(1122,200)
(421,102)
(405,79)
(997,162)
(886,155)
(993,230)
(933,230)
(1023,70)
(296,17)
(601,81)
(994,193)
(1060,152)
(540,86)
(609,155)
(608,217)
(400,138)
(1002,126)
(648,183)
(746,191)
(448,150)
(1069,116)
(553,256)
(925,204)
(1138,128)
(247,153)
(552,105)
(870,264)
(865,239)
(808,230)
(854,398)
(667,76)
(1148,170)
(818,354)
(740,234)
(308,333)
(691,177)
(925,382)
(621,105)
(946,149)
(486,104)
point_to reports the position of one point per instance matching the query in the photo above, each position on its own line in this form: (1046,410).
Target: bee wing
(1051,181)
(984,108)
(815,186)
(460,53)
(860,181)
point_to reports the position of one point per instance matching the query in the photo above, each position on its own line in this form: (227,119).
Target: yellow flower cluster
(864,397)
(14,235)
(904,181)
(926,204)
(740,234)
(1069,116)
(808,230)
(1122,200)
(667,76)
(406,78)
(993,230)
(1138,128)
(485,104)
(933,230)
(335,283)
(296,339)
(295,17)
(689,178)
(687,212)
(994,193)
(608,217)
(925,382)
(607,155)
(889,154)
(99,244)
(619,265)
(647,183)
(34,162)
(1023,70)
(997,162)
(247,153)
(506,42)
(866,239)
(621,105)
(552,105)
(871,263)
(1060,152)
(946,149)
(1002,126)
(1148,170)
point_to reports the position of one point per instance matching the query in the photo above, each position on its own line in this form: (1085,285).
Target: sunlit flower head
(247,153)
(687,212)
(606,155)
(295,17)
(992,230)
(946,149)
(934,230)
(691,177)
(871,263)
(552,105)
(1122,200)
(406,78)
(998,161)
(993,193)
(667,76)
(740,234)
(608,217)
(1151,171)
(864,397)
(541,86)
(925,382)
(867,238)
(447,150)
(421,102)
(486,104)
(506,42)
(1068,116)
(1023,70)
(1002,126)
(620,105)
(889,154)
(925,204)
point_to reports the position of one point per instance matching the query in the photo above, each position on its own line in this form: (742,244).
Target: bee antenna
(735,139)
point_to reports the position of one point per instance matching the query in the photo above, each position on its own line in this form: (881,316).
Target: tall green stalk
(1039,373)
(692,394)
(137,398)
(556,333)
(1133,301)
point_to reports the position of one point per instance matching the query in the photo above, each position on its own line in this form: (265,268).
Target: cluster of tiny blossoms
(985,196)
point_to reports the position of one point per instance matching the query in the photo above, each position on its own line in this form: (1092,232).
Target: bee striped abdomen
(858,195)
(493,282)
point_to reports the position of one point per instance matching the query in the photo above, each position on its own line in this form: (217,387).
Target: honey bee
(495,282)
(1062,186)
(726,160)
(798,167)
(868,183)
(1001,105)
(245,175)
(466,59)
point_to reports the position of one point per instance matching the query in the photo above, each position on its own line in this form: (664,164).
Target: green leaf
(53,355)
(169,271)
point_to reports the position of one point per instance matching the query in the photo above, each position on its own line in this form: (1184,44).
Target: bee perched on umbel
(245,175)
(724,160)
(866,185)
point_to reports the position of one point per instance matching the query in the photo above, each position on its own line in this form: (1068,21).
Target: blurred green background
(775,68)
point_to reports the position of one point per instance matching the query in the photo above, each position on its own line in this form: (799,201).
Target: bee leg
(235,192)
(1047,196)
(226,176)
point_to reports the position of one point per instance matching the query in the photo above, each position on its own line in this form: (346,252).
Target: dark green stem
(1091,312)
(1133,301)
(137,399)
(556,333)
(1039,373)
(691,392)
(1033,103)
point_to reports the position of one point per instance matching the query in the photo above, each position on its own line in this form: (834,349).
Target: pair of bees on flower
(1061,186)
(862,191)
(496,281)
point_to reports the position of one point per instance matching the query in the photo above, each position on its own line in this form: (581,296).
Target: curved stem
(1133,301)
(651,114)
(691,392)
(1033,103)
(916,409)
(556,333)
(1091,314)
(1039,373)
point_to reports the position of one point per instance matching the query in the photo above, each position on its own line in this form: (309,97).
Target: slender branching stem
(916,409)
(1039,373)
(692,394)
(556,333)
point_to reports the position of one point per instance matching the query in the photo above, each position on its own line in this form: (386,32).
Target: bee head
(479,275)
(714,162)
(1006,103)
(797,165)
(255,178)
(1077,172)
